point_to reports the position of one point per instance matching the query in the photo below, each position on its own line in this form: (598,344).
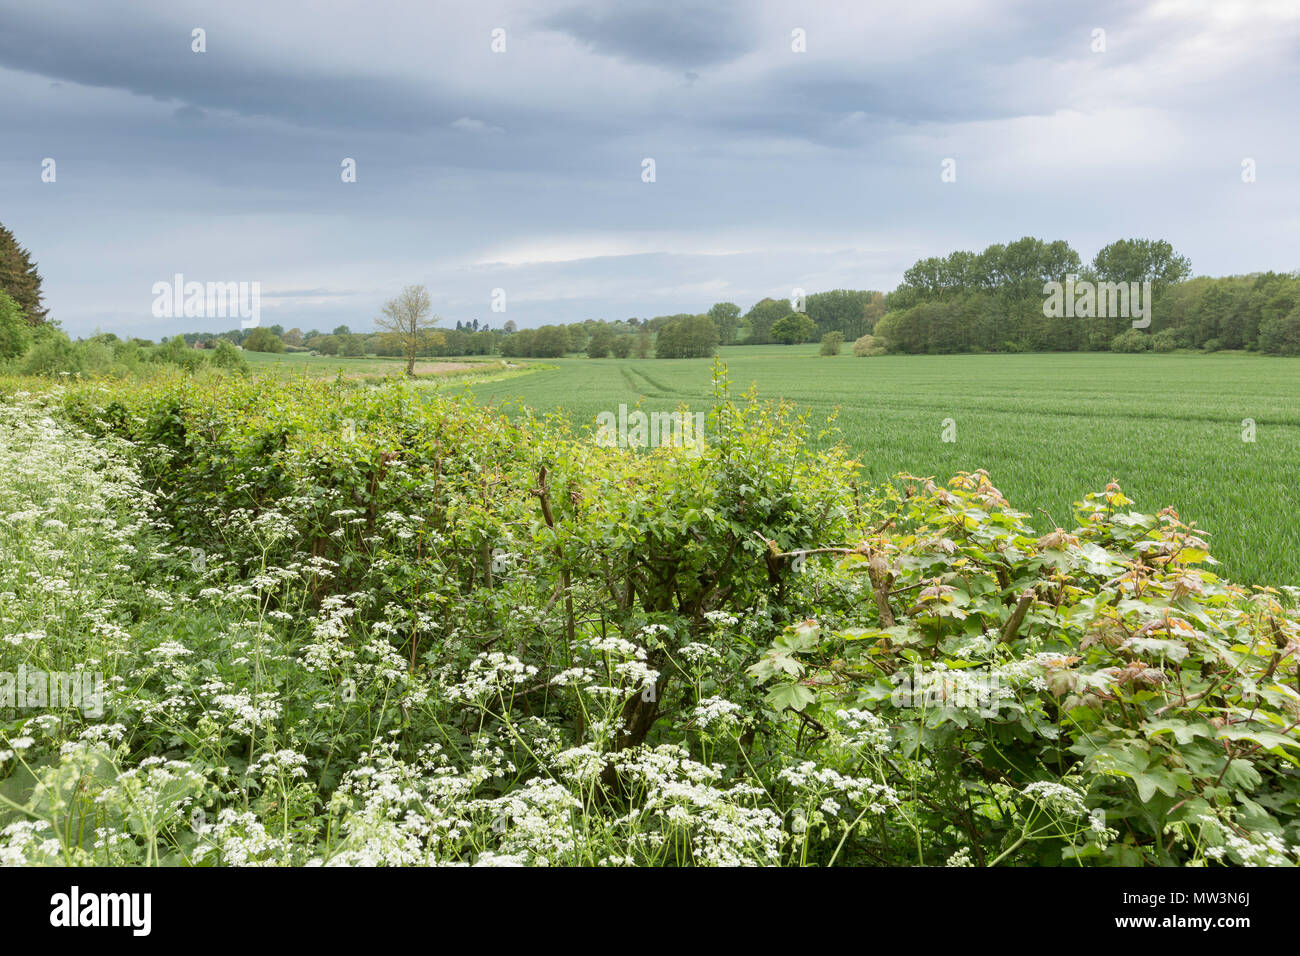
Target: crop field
(1171,429)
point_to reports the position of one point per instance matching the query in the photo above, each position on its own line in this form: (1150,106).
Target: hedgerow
(350,624)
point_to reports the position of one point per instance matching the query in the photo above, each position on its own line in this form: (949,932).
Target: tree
(602,339)
(15,332)
(690,336)
(643,342)
(408,315)
(330,345)
(19,278)
(1281,335)
(831,343)
(510,327)
(1139,260)
(793,329)
(293,338)
(726,317)
(761,318)
(840,310)
(873,310)
(621,347)
(263,340)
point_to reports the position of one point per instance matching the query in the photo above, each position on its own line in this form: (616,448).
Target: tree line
(996,300)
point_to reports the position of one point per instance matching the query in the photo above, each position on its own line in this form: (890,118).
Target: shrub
(1131,340)
(869,346)
(831,343)
(226,356)
(1213,345)
(1093,696)
(1164,341)
(52,353)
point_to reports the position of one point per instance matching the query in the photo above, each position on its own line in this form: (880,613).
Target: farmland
(1048,428)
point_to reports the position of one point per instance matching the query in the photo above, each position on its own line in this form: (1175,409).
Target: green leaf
(794,696)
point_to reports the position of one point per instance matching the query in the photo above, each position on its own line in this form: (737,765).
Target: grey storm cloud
(153,59)
(522,170)
(684,35)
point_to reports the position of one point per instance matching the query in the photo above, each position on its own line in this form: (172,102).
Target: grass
(1047,427)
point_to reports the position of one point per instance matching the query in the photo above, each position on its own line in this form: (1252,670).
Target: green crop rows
(1048,428)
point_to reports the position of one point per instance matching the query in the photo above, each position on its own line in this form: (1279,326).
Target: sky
(795,145)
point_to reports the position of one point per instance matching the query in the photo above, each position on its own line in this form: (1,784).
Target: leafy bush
(1213,345)
(1093,696)
(226,356)
(869,346)
(52,353)
(1131,340)
(831,343)
(1164,341)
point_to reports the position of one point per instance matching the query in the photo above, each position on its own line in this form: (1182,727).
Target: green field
(1047,427)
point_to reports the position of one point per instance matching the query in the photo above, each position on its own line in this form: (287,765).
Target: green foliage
(549,341)
(380,625)
(1164,341)
(762,316)
(869,346)
(1098,696)
(19,277)
(263,340)
(52,353)
(1141,260)
(831,343)
(15,330)
(228,357)
(601,341)
(793,329)
(842,310)
(689,336)
(726,319)
(1281,335)
(1131,341)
